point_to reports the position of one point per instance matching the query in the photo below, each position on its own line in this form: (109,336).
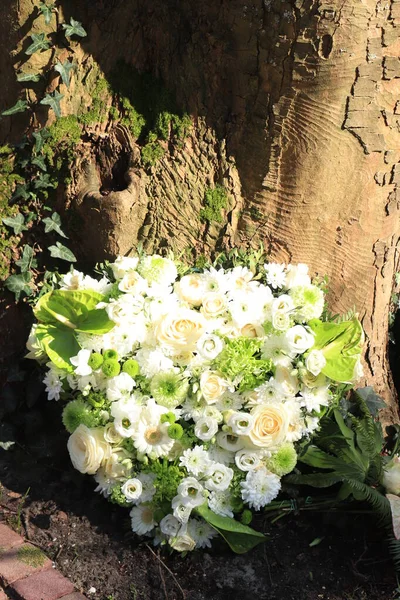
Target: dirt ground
(91,543)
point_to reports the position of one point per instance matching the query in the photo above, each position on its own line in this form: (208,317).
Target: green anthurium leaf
(46,10)
(20,106)
(19,284)
(95,321)
(53,100)
(27,259)
(59,345)
(22,77)
(53,223)
(341,345)
(74,28)
(64,69)
(39,43)
(240,538)
(17,223)
(66,307)
(62,252)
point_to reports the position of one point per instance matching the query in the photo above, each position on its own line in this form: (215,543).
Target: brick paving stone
(47,585)
(74,596)
(8,538)
(13,568)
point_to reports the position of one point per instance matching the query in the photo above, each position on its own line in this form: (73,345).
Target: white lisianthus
(219,477)
(126,413)
(240,422)
(132,489)
(170,525)
(315,362)
(299,339)
(297,275)
(80,362)
(230,442)
(205,428)
(191,491)
(122,265)
(72,280)
(248,460)
(281,320)
(191,289)
(260,488)
(212,386)
(142,519)
(209,346)
(88,449)
(182,509)
(119,387)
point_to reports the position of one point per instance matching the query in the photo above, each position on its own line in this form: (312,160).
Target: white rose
(88,449)
(214,305)
(191,289)
(209,346)
(252,331)
(270,425)
(118,465)
(111,435)
(133,283)
(206,428)
(315,362)
(391,476)
(122,264)
(182,543)
(132,489)
(297,275)
(299,339)
(212,386)
(247,460)
(180,331)
(281,320)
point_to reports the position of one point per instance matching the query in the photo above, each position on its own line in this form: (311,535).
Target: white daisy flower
(142,519)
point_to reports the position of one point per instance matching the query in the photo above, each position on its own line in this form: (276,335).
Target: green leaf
(341,344)
(20,106)
(46,10)
(21,191)
(27,259)
(39,161)
(40,137)
(240,538)
(95,321)
(59,345)
(43,181)
(22,77)
(17,223)
(64,70)
(67,307)
(39,43)
(53,100)
(74,28)
(374,402)
(18,284)
(318,480)
(53,223)
(62,252)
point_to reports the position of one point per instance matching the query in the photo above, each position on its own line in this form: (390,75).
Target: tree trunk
(295,108)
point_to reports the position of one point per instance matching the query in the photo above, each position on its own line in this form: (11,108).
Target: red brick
(8,538)
(74,596)
(13,568)
(47,585)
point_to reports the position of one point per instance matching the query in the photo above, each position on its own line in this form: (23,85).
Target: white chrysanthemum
(182,509)
(221,503)
(297,275)
(152,362)
(125,338)
(205,428)
(104,483)
(248,460)
(216,280)
(91,342)
(201,532)
(260,488)
(265,393)
(124,310)
(299,339)
(315,362)
(229,401)
(275,274)
(142,519)
(148,490)
(157,269)
(209,346)
(240,422)
(170,525)
(296,420)
(80,362)
(240,279)
(314,398)
(191,491)
(245,308)
(195,460)
(150,435)
(220,455)
(119,386)
(132,489)
(192,408)
(210,411)
(230,442)
(219,477)
(53,385)
(311,424)
(122,265)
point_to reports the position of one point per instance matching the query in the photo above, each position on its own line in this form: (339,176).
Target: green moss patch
(215,200)
(31,556)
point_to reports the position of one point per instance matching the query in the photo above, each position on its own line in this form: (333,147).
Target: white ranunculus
(219,477)
(88,449)
(315,362)
(209,346)
(299,339)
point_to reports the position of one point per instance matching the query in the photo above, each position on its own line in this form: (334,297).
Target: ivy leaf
(39,43)
(40,136)
(21,77)
(53,100)
(17,223)
(62,252)
(64,70)
(46,10)
(74,28)
(374,402)
(20,106)
(39,162)
(53,223)
(43,182)
(18,284)
(21,191)
(27,259)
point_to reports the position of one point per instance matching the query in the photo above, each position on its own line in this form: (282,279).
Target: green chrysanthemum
(131,367)
(95,361)
(284,461)
(156,269)
(111,368)
(169,389)
(240,360)
(76,413)
(246,517)
(175,431)
(308,300)
(110,355)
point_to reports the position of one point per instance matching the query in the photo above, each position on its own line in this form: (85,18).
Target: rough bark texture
(296,109)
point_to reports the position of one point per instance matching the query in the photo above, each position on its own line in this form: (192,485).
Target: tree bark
(296,110)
